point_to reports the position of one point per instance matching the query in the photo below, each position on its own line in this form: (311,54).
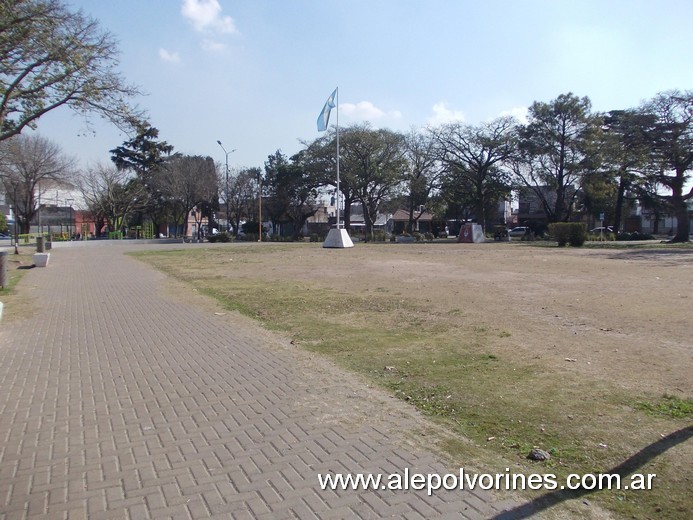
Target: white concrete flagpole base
(338,237)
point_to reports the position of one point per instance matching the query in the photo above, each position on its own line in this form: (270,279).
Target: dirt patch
(617,315)
(509,345)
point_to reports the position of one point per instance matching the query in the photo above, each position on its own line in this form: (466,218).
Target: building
(424,222)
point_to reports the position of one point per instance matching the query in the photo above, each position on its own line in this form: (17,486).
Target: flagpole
(337,236)
(338,198)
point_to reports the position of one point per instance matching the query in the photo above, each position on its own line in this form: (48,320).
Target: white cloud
(212,46)
(519,113)
(171,57)
(365,110)
(442,114)
(205,15)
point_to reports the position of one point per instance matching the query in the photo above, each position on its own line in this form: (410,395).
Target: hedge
(573,233)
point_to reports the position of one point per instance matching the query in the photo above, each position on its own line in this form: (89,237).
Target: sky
(255,74)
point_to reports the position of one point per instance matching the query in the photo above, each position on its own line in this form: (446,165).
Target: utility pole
(228,220)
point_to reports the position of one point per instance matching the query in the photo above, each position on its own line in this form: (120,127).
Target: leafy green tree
(376,166)
(625,159)
(457,195)
(671,141)
(52,57)
(475,159)
(555,152)
(320,159)
(142,155)
(600,194)
(4,228)
(143,152)
(291,191)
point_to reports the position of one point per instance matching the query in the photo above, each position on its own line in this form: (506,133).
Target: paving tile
(119,401)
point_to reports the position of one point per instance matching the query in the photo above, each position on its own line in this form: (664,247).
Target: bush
(379,236)
(573,233)
(247,237)
(276,238)
(634,236)
(219,237)
(599,236)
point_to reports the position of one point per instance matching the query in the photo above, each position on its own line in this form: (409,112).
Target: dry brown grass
(17,304)
(572,350)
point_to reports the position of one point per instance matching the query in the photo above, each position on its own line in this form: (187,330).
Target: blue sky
(256,73)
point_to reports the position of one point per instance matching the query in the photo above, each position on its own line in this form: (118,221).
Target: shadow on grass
(649,254)
(627,467)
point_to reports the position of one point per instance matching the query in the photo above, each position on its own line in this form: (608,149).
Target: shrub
(379,236)
(314,237)
(634,236)
(250,237)
(275,238)
(599,236)
(574,233)
(219,237)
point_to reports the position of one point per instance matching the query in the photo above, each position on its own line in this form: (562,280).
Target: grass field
(585,353)
(16,305)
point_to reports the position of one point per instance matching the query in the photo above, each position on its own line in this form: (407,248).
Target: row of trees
(575,160)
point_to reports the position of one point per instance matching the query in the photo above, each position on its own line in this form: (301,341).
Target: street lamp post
(228,221)
(259,200)
(15,215)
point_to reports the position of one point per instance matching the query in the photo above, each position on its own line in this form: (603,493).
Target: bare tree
(424,172)
(28,166)
(187,182)
(475,157)
(243,196)
(112,196)
(52,57)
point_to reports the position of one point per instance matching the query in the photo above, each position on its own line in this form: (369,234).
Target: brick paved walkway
(118,400)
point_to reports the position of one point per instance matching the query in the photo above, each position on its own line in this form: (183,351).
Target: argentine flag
(324,117)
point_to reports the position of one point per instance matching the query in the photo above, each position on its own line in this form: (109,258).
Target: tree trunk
(682,221)
(622,184)
(346,215)
(367,222)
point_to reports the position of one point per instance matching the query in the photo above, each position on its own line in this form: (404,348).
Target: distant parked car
(519,231)
(602,229)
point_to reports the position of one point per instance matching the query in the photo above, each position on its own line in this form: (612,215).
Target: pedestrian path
(120,399)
